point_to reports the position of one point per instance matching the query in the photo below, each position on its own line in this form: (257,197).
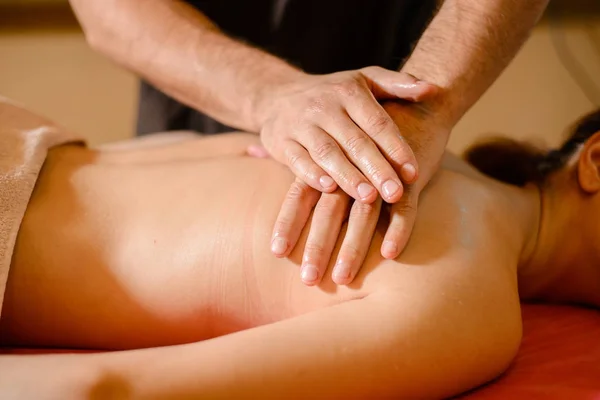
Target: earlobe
(589,165)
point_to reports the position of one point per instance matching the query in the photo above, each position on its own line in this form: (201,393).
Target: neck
(558,266)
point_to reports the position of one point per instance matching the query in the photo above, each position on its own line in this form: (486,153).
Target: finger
(402,220)
(328,218)
(257,151)
(364,154)
(293,215)
(328,155)
(302,165)
(361,227)
(387,84)
(371,117)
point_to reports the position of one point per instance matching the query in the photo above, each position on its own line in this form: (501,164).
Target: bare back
(146,247)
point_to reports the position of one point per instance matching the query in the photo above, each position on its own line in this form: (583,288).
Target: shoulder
(461,327)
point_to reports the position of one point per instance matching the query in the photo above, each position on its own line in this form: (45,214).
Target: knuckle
(309,175)
(347,87)
(349,177)
(397,149)
(283,225)
(293,158)
(356,143)
(297,191)
(406,207)
(362,211)
(395,232)
(378,123)
(377,173)
(331,204)
(314,106)
(313,250)
(398,152)
(312,173)
(350,253)
(324,150)
(371,68)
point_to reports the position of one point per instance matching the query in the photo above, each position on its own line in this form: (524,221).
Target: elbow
(95,36)
(108,386)
(57,376)
(96,41)
(90,19)
(104,41)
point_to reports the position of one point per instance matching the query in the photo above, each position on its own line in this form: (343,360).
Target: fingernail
(390,188)
(309,274)
(410,85)
(408,172)
(365,190)
(412,91)
(341,272)
(279,245)
(326,182)
(389,248)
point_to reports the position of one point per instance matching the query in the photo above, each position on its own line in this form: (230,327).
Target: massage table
(559,358)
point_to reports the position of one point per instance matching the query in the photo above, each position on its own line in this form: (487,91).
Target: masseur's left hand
(427,134)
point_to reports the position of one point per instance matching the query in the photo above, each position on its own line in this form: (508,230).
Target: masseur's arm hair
(519,163)
(466,47)
(183,53)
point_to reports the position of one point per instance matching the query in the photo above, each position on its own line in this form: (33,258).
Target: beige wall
(56,74)
(536,97)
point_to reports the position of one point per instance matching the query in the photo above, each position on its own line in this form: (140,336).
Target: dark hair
(519,163)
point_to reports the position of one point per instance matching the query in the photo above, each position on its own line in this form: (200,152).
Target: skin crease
(110,255)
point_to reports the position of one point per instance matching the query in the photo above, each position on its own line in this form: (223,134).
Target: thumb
(257,151)
(402,220)
(387,84)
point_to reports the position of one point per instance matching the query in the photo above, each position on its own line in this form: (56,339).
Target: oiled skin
(157,244)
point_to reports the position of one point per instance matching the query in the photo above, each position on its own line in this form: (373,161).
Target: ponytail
(519,163)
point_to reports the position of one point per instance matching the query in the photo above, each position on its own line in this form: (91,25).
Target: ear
(589,165)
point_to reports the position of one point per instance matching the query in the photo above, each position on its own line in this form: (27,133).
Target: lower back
(152,254)
(148,254)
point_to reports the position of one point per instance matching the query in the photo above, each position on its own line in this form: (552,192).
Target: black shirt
(319,36)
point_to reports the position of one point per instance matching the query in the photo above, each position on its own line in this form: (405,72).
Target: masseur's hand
(329,213)
(331,129)
(427,135)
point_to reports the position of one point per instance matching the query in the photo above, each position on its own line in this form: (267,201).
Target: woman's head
(520,163)
(566,254)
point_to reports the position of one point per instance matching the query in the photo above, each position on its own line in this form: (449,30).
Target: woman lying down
(162,250)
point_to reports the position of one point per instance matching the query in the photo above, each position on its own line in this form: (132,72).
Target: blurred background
(46,64)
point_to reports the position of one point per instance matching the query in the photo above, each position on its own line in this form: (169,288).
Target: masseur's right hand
(331,129)
(330,213)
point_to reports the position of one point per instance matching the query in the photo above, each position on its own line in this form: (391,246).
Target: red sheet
(559,358)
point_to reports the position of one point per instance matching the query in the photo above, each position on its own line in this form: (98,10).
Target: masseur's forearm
(184,54)
(467,45)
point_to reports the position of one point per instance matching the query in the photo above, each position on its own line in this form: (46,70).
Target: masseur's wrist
(442,110)
(282,79)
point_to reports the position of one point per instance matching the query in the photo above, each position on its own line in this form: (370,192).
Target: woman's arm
(396,344)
